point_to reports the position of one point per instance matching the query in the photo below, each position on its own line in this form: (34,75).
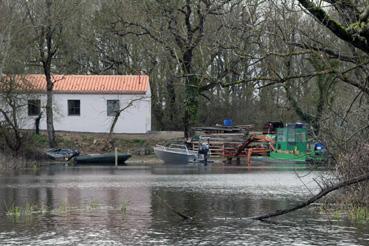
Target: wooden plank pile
(219,138)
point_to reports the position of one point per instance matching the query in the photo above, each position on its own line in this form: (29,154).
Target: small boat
(61,154)
(101,159)
(175,154)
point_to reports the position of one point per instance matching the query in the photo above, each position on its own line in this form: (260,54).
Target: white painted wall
(93,117)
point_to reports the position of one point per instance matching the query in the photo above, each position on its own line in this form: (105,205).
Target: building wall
(93,114)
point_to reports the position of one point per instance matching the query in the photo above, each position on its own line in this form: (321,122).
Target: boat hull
(101,159)
(171,157)
(61,154)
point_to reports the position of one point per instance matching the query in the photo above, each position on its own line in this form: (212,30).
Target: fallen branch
(321,194)
(180,214)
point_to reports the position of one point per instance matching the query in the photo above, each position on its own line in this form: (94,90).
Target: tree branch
(313,199)
(358,41)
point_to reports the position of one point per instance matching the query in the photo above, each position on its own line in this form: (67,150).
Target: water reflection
(118,206)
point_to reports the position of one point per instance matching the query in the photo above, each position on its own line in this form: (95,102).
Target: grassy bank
(33,149)
(140,146)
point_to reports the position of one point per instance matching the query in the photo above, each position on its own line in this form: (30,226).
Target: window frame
(112,112)
(74,107)
(35,105)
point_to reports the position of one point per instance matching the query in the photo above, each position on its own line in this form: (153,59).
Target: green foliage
(62,208)
(43,209)
(29,209)
(66,142)
(337,215)
(86,138)
(35,167)
(39,140)
(359,214)
(357,27)
(139,141)
(94,205)
(13,211)
(123,208)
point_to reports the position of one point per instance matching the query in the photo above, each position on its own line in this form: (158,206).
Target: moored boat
(61,154)
(101,159)
(175,154)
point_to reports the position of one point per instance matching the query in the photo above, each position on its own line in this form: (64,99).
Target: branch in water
(183,216)
(321,194)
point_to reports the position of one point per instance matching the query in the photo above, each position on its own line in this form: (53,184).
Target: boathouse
(88,103)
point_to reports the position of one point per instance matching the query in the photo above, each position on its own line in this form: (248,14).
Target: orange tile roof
(91,84)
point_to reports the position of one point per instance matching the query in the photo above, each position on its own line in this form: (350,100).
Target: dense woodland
(249,60)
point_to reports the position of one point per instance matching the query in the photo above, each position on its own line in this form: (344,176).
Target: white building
(87,103)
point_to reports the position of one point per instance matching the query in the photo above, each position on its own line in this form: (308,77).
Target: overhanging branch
(313,199)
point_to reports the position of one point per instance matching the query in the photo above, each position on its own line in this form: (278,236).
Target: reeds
(29,209)
(124,207)
(359,214)
(356,214)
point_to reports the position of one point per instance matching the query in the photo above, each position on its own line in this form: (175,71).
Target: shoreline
(151,161)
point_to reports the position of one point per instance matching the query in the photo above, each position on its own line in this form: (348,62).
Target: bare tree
(12,102)
(118,112)
(182,33)
(117,115)
(10,28)
(49,20)
(351,27)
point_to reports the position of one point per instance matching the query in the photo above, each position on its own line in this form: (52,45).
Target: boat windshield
(178,147)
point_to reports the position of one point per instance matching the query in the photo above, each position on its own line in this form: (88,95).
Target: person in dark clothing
(204,150)
(37,123)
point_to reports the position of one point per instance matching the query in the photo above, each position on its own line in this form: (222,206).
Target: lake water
(126,206)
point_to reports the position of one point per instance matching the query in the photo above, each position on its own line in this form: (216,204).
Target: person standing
(204,150)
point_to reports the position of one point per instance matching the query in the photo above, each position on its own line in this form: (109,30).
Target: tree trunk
(191,93)
(186,124)
(49,112)
(111,131)
(172,110)
(46,61)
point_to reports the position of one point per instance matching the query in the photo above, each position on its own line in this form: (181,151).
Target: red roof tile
(92,84)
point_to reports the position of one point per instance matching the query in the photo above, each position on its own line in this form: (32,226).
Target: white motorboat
(175,154)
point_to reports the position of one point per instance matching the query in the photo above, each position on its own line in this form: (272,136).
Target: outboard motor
(319,149)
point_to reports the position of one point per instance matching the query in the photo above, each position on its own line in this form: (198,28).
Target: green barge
(291,145)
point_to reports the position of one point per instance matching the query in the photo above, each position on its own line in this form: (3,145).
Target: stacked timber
(219,137)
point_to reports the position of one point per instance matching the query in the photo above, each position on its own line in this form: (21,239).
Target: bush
(351,164)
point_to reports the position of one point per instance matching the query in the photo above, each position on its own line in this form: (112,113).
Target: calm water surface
(124,206)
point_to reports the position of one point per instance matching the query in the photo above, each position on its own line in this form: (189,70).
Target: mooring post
(116,156)
(249,153)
